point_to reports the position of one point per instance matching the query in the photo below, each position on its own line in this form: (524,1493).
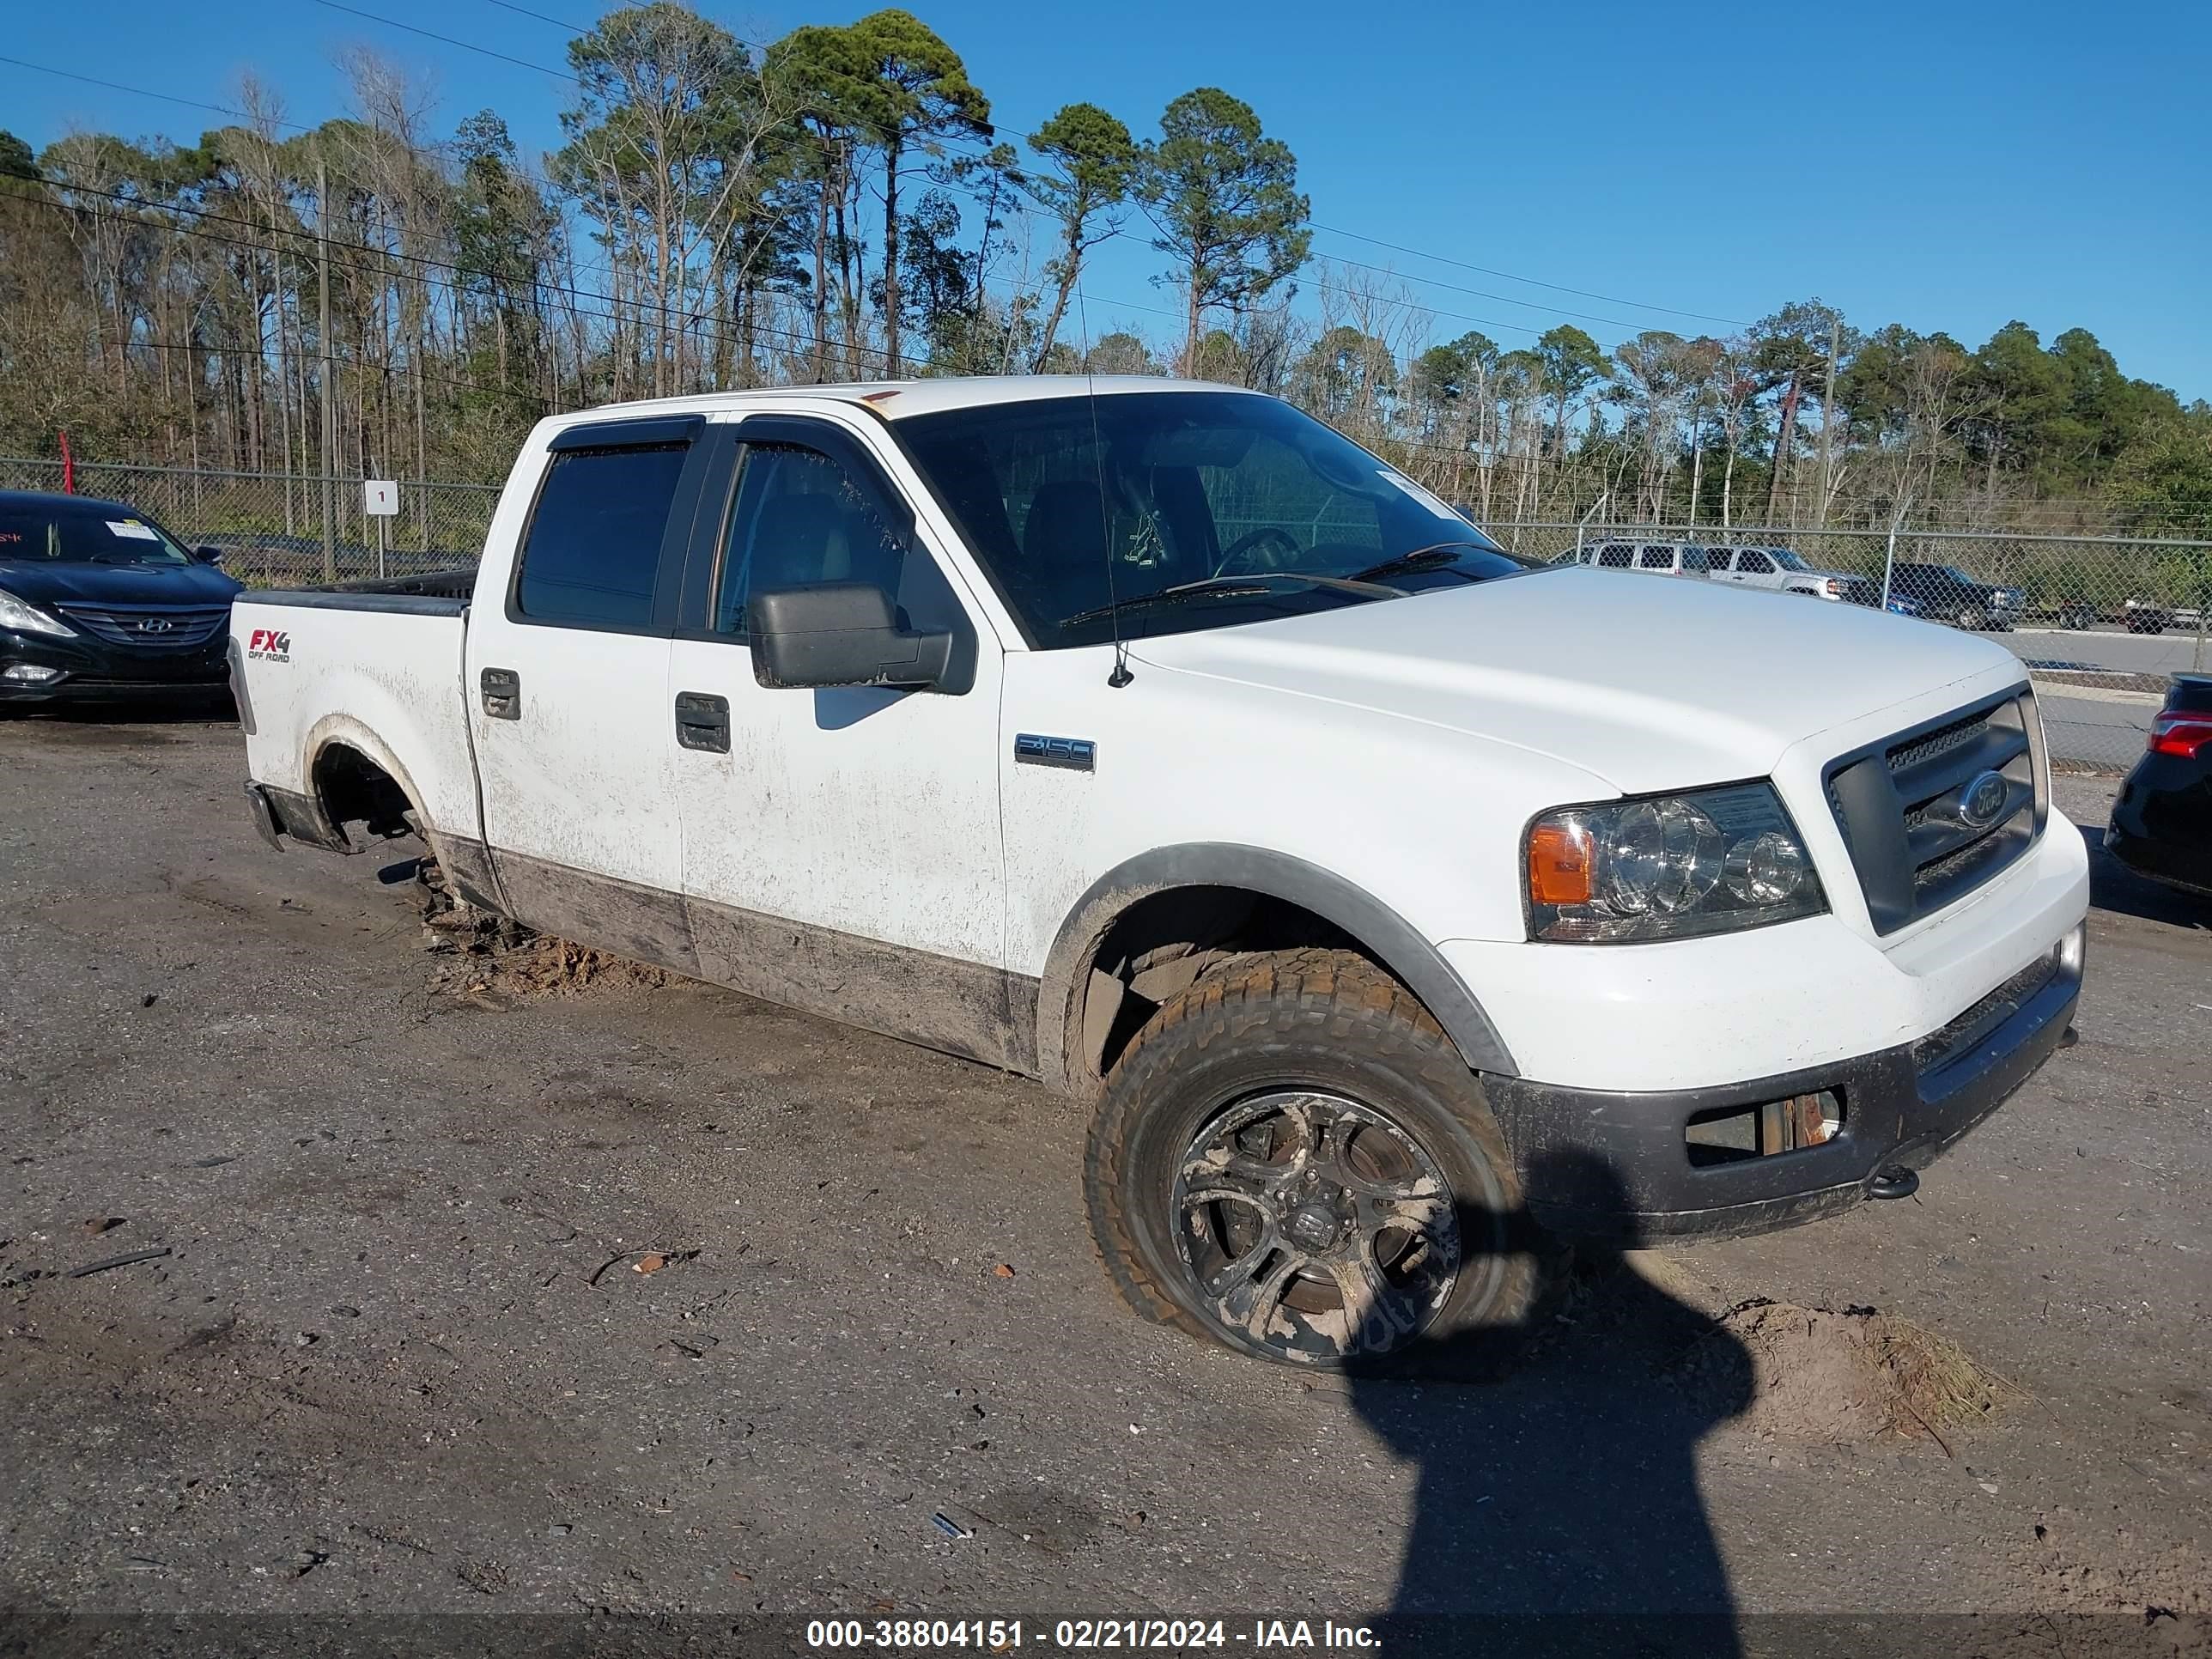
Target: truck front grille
(1932,813)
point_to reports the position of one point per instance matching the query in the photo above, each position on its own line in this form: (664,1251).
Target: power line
(577,30)
(447,39)
(522,62)
(1322,284)
(688,316)
(1479,294)
(142,92)
(1511,276)
(1505,299)
(989,204)
(287,354)
(687,319)
(573,28)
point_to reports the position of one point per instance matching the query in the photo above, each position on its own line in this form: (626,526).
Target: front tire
(1970,619)
(1293,1160)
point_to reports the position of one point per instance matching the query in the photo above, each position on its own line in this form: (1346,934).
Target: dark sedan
(97,601)
(2161,824)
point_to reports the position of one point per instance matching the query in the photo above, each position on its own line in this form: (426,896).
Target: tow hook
(1894,1180)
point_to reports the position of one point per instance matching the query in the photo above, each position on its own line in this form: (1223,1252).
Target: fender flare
(1394,943)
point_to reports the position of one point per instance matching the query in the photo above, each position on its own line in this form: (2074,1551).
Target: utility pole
(1828,393)
(330,407)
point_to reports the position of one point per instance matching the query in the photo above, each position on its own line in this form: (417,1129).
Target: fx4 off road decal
(268,644)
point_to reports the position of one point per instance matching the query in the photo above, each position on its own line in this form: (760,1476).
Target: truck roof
(897,399)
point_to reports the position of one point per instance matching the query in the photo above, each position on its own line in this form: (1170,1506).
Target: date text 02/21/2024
(1005,1635)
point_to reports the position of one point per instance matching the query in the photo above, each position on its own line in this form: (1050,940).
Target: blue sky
(1942,164)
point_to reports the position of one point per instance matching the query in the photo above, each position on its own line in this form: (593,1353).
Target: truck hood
(51,581)
(1649,685)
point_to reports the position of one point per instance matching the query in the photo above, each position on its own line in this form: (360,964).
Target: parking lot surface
(397,1353)
(2178,651)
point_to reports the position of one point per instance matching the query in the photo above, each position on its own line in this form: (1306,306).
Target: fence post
(330,408)
(1889,561)
(1602,500)
(2204,604)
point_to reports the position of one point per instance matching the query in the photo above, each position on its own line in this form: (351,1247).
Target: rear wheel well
(1159,946)
(352,788)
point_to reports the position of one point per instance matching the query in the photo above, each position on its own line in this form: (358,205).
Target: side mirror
(208,554)
(841,633)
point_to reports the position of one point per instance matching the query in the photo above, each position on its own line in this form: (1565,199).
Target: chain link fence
(270,525)
(2102,624)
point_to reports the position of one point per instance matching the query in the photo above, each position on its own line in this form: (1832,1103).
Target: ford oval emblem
(1983,800)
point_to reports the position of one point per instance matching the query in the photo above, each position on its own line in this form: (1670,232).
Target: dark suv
(1946,594)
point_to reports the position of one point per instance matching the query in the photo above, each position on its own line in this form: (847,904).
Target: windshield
(1083,509)
(1786,559)
(84,532)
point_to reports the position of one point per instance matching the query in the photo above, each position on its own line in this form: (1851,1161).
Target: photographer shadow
(1558,1508)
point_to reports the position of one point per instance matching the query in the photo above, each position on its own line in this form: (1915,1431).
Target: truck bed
(375,666)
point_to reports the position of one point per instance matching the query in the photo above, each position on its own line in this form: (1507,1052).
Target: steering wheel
(1251,541)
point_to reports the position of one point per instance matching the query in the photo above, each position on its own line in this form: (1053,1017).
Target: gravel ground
(398,1358)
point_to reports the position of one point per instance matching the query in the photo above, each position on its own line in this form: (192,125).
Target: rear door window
(592,551)
(1754,562)
(1615,557)
(1656,558)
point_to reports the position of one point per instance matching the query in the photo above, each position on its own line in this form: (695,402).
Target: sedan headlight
(14,613)
(1668,866)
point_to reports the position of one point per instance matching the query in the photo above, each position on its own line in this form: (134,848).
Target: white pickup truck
(1399,905)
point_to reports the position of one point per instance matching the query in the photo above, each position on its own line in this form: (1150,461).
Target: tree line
(840,204)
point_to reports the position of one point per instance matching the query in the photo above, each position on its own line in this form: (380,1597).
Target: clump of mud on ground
(1854,1375)
(483,957)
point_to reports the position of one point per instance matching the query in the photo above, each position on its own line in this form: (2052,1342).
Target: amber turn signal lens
(1559,863)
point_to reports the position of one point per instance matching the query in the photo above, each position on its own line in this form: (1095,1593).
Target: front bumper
(86,669)
(1618,1164)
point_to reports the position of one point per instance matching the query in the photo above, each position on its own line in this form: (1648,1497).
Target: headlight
(1668,866)
(14,613)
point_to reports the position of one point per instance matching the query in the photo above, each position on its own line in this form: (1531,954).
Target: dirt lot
(398,1356)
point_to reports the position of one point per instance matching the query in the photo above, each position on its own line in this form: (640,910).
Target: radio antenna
(1120,675)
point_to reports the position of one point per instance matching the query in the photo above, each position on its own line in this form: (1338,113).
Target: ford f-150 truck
(1398,905)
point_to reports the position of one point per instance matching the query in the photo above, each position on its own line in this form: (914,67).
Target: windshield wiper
(1216,587)
(1434,556)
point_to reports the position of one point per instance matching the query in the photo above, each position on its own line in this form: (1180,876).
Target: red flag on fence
(69,468)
